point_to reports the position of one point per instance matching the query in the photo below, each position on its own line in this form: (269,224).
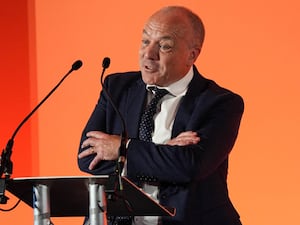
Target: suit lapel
(188,102)
(134,107)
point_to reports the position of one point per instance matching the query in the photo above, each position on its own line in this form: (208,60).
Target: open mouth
(150,68)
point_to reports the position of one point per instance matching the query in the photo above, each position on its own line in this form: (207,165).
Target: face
(166,54)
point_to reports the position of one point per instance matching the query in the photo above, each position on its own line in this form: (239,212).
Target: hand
(185,138)
(104,146)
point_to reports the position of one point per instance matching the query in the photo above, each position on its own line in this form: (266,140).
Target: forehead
(166,26)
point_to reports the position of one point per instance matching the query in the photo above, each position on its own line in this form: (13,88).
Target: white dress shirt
(163,123)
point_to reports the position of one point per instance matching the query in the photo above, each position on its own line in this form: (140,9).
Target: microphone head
(105,63)
(76,65)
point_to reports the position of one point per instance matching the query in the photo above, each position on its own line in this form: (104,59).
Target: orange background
(251,47)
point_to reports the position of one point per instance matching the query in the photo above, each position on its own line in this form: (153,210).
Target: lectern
(82,196)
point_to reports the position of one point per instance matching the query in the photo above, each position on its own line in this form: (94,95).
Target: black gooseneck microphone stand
(115,182)
(6,165)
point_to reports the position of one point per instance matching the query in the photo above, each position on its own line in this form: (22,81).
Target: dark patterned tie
(147,124)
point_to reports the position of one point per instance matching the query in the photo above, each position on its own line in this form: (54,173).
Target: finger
(184,140)
(94,162)
(86,143)
(96,134)
(87,152)
(188,134)
(92,138)
(82,154)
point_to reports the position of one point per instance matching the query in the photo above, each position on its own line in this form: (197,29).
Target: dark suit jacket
(192,178)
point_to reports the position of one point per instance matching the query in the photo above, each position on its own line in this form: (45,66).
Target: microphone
(124,136)
(76,65)
(105,65)
(6,165)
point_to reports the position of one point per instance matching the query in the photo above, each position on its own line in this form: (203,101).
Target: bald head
(186,22)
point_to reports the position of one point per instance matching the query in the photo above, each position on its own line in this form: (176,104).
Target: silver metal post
(97,207)
(41,205)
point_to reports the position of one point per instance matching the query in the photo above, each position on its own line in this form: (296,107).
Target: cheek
(140,54)
(170,65)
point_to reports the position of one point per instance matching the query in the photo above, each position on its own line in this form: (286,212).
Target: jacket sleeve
(216,121)
(104,118)
(96,122)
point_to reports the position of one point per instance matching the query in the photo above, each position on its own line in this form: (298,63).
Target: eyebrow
(166,37)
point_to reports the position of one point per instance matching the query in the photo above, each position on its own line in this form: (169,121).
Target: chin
(148,78)
(149,82)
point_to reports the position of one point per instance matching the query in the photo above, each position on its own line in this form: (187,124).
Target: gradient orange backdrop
(251,47)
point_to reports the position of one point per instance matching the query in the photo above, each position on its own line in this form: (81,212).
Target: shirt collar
(179,87)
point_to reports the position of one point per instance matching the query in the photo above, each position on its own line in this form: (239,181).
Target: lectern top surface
(69,196)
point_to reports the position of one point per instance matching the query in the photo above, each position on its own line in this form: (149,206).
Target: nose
(151,52)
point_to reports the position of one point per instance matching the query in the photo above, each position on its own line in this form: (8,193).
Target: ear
(194,53)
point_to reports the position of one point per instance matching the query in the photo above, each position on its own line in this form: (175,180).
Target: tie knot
(158,92)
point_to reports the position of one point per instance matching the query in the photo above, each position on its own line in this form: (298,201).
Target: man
(195,125)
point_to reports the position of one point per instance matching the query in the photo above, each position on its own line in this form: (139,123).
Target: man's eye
(145,42)
(165,48)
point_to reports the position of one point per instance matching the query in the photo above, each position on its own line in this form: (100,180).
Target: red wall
(17,97)
(17,94)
